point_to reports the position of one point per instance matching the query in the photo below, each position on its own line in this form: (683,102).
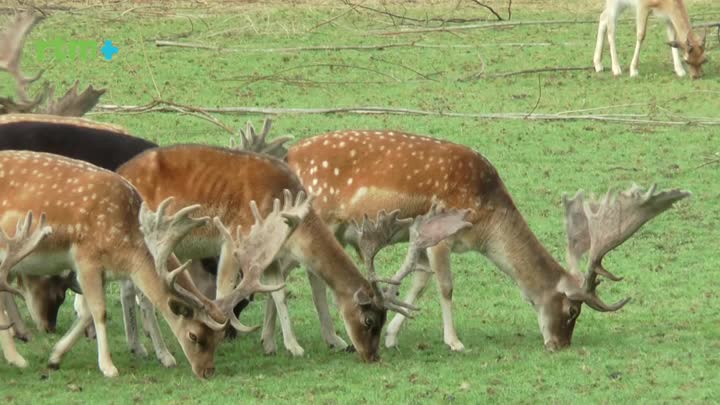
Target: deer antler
(73,104)
(576,230)
(19,246)
(611,221)
(11,47)
(257,250)
(426,231)
(249,140)
(161,235)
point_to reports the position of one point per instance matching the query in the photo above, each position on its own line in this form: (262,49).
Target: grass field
(662,347)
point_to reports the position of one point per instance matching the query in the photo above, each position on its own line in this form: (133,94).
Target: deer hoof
(139,351)
(350,349)
(295,350)
(167,360)
(455,345)
(336,343)
(269,346)
(599,67)
(110,371)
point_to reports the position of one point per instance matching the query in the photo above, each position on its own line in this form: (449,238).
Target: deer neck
(514,248)
(316,248)
(681,22)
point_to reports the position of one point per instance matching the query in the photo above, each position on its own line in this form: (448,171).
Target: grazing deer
(103,145)
(358,173)
(223,181)
(679,33)
(94,228)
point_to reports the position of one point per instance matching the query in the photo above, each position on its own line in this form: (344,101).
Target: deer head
(597,226)
(693,53)
(12,42)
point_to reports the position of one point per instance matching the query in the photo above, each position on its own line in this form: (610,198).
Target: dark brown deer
(358,173)
(94,221)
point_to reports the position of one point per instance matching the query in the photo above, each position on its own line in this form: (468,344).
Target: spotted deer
(97,227)
(679,33)
(106,146)
(358,173)
(223,181)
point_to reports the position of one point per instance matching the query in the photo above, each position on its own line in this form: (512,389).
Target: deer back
(358,172)
(84,204)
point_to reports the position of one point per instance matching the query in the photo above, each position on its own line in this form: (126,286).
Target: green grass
(661,347)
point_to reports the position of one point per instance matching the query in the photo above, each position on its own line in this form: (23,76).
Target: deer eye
(193,337)
(369,321)
(573,312)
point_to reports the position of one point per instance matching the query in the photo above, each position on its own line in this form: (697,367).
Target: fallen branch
(191,45)
(496,24)
(541,70)
(163,107)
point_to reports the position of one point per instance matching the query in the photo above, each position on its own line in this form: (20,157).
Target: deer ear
(361,297)
(180,308)
(674,44)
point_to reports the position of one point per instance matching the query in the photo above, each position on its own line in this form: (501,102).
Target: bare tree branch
(492,10)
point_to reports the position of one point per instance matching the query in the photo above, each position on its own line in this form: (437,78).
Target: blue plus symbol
(109,50)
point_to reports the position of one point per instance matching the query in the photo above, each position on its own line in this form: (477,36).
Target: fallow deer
(223,181)
(97,227)
(103,145)
(358,173)
(679,34)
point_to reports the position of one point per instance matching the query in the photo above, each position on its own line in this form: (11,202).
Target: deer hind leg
(150,325)
(327,326)
(421,279)
(273,275)
(127,300)
(677,62)
(7,342)
(641,18)
(77,330)
(19,328)
(602,28)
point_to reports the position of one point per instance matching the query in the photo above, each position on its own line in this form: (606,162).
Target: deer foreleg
(327,326)
(641,20)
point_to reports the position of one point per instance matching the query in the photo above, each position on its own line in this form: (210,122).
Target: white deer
(679,33)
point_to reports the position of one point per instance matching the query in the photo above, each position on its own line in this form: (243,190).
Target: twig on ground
(424,76)
(540,70)
(492,10)
(622,168)
(426,20)
(539,97)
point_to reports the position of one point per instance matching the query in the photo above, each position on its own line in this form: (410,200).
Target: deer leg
(273,275)
(83,320)
(19,328)
(611,24)
(8,343)
(602,28)
(677,62)
(91,282)
(421,278)
(150,324)
(127,300)
(81,310)
(439,256)
(327,326)
(268,330)
(641,20)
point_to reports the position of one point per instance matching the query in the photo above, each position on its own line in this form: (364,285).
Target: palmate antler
(162,234)
(608,223)
(12,42)
(257,249)
(71,104)
(425,231)
(19,246)
(249,140)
